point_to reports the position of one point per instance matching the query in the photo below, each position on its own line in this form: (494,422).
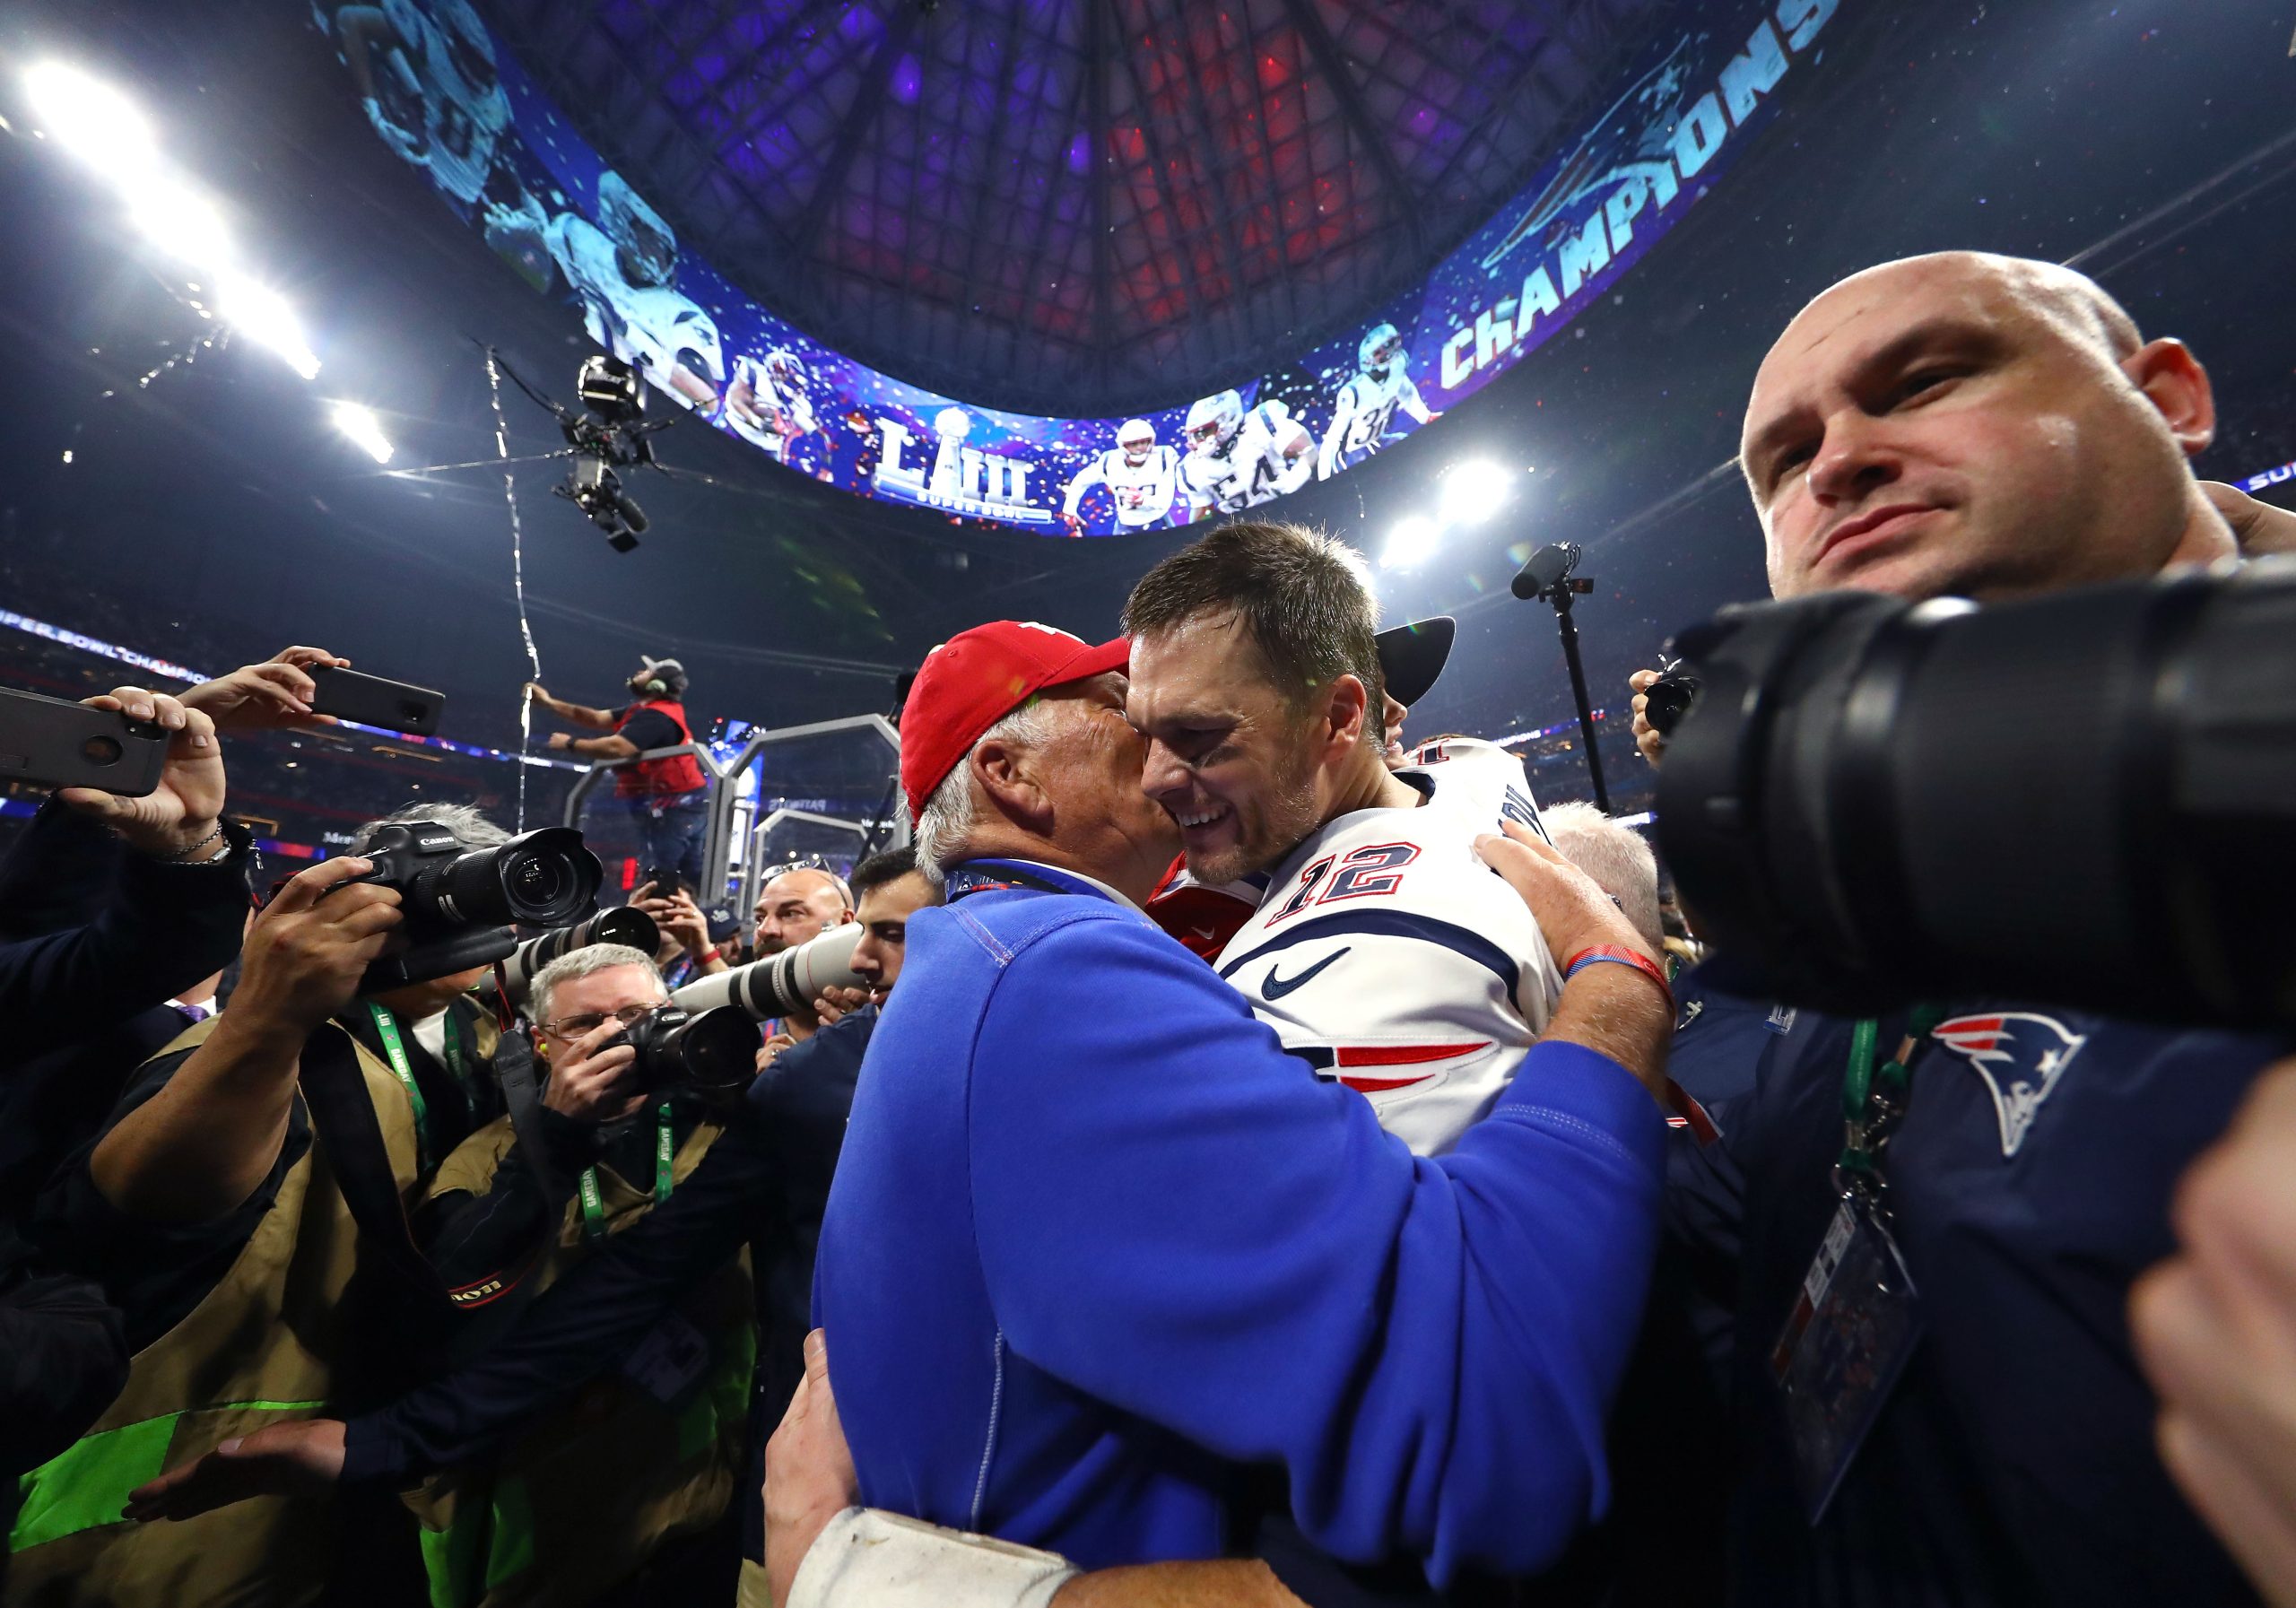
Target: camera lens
(533,880)
(715,1050)
(1667,701)
(101,751)
(2079,798)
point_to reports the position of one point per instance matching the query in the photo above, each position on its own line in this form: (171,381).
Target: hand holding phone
(47,740)
(373,701)
(175,813)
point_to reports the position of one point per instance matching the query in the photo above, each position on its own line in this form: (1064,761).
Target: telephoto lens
(2085,799)
(625,924)
(704,1051)
(785,984)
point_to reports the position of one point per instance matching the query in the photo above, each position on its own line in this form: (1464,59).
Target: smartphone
(370,700)
(667,882)
(63,745)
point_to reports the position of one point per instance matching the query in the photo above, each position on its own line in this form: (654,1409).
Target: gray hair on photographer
(471,829)
(581,963)
(1617,856)
(947,818)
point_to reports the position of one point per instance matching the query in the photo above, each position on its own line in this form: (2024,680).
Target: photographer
(1994,428)
(230,1246)
(525,1522)
(156,903)
(797,907)
(766,1183)
(667,798)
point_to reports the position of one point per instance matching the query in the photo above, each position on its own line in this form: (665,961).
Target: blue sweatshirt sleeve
(1175,1217)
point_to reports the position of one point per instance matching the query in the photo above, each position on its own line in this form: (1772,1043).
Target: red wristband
(708,955)
(1602,952)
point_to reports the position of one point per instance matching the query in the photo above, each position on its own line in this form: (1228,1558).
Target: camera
(784,984)
(2085,799)
(458,903)
(1668,698)
(611,389)
(624,925)
(693,1052)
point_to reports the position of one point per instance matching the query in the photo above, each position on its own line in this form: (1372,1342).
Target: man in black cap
(668,797)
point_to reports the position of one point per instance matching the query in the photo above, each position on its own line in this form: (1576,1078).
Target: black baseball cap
(1411,656)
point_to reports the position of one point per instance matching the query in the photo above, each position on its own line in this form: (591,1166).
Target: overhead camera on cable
(608,432)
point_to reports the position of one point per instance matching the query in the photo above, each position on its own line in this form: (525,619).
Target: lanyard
(386,1029)
(1874,1101)
(455,1055)
(593,1210)
(991,877)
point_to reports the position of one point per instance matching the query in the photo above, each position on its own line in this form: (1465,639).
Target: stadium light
(364,429)
(93,120)
(1472,491)
(1410,540)
(262,315)
(181,222)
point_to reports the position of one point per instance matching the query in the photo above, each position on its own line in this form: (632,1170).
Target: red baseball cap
(974,679)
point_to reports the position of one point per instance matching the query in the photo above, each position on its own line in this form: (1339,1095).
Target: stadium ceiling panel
(1073,207)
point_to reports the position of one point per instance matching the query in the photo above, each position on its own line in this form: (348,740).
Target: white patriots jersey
(783,411)
(1388,956)
(1364,409)
(1250,469)
(1142,493)
(647,326)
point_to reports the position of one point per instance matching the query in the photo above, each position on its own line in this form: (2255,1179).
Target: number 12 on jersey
(1371,872)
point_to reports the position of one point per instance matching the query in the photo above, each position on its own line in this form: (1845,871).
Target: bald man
(796,906)
(1983,426)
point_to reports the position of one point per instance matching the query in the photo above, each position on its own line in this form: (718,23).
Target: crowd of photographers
(1245,1195)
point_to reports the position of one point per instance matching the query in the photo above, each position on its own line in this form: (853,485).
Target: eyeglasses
(590,1022)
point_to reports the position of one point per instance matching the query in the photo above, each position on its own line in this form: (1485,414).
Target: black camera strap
(343,1114)
(334,1088)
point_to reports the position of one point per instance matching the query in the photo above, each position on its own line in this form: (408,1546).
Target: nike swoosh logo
(1276,987)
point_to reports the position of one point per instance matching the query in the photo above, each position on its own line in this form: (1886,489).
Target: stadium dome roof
(1073,207)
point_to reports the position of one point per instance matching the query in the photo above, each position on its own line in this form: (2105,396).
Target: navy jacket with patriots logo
(2029,1187)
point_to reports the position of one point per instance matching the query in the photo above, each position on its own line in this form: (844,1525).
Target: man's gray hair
(579,963)
(946,821)
(471,829)
(1617,857)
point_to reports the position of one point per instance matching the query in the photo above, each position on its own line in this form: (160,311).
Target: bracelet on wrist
(183,855)
(1601,954)
(708,955)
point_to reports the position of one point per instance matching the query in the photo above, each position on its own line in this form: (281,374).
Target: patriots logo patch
(2020,1056)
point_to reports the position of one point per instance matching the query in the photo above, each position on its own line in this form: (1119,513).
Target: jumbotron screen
(448,98)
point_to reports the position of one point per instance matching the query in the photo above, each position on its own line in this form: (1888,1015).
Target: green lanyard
(455,1055)
(594,1211)
(1874,1100)
(386,1029)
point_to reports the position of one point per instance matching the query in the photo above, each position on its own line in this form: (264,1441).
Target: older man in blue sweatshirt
(1097,1245)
